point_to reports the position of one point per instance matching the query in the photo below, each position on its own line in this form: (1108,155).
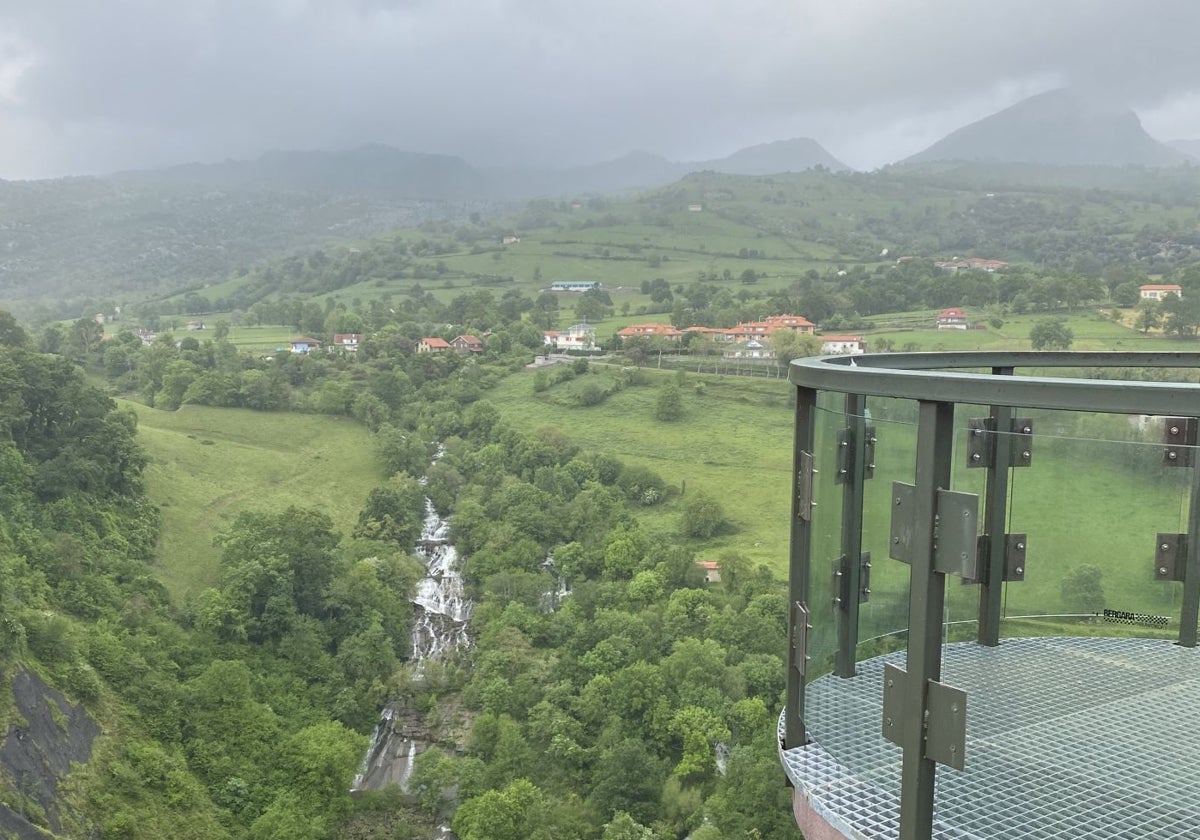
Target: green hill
(206,465)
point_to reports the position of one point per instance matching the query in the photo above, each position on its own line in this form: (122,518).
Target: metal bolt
(866,591)
(888,721)
(870,466)
(977,432)
(897,501)
(954,708)
(953,748)
(1174,430)
(1020,570)
(873,440)
(1020,546)
(966,514)
(1172,455)
(895,541)
(976,457)
(890,684)
(1164,546)
(1162,570)
(844,443)
(1027,430)
(1025,454)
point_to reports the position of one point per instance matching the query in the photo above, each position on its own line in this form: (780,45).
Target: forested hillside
(646,697)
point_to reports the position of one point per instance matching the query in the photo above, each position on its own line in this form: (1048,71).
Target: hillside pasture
(206,465)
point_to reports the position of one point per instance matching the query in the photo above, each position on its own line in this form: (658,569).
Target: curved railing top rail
(934,376)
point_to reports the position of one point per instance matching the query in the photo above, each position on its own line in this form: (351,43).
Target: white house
(850,345)
(1158,291)
(952,319)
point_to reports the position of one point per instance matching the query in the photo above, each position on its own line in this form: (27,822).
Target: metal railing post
(848,575)
(799,563)
(927,598)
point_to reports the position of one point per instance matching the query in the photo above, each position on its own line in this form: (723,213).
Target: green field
(1095,494)
(734,443)
(209,464)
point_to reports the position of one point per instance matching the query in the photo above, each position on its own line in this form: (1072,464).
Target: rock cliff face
(37,755)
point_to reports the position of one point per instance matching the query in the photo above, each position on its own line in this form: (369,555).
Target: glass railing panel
(962,598)
(1096,494)
(826,532)
(885,613)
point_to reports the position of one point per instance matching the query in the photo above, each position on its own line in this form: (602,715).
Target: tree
(393,512)
(668,407)
(1051,334)
(702,516)
(514,813)
(1148,316)
(11,333)
(1083,589)
(625,827)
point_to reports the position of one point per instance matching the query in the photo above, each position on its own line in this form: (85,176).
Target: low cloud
(130,83)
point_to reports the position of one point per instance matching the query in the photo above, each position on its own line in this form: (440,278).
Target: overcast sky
(93,87)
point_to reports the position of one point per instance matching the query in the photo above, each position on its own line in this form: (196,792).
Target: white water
(440,615)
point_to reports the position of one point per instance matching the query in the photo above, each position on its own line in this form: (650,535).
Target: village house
(432,345)
(750,329)
(952,319)
(195,325)
(851,345)
(347,341)
(1158,291)
(467,344)
(576,337)
(695,208)
(509,239)
(649,331)
(304,345)
(712,570)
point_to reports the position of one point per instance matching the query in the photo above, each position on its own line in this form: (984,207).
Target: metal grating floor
(1066,738)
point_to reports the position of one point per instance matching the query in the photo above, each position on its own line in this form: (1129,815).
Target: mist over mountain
(1191,148)
(382,172)
(793,155)
(1060,127)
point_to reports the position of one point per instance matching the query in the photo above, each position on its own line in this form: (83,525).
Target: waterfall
(441,611)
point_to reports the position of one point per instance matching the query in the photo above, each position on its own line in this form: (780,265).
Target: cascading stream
(440,615)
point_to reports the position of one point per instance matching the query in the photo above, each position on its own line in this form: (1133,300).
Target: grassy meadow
(209,464)
(1095,493)
(734,442)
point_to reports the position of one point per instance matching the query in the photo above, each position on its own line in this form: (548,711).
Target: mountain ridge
(1060,127)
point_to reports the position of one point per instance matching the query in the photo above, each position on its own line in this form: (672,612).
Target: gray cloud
(96,87)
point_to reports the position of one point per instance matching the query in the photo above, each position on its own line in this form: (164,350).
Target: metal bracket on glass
(845,453)
(982,440)
(1014,557)
(955,542)
(945,719)
(800,628)
(1170,557)
(1179,435)
(804,487)
(841,580)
